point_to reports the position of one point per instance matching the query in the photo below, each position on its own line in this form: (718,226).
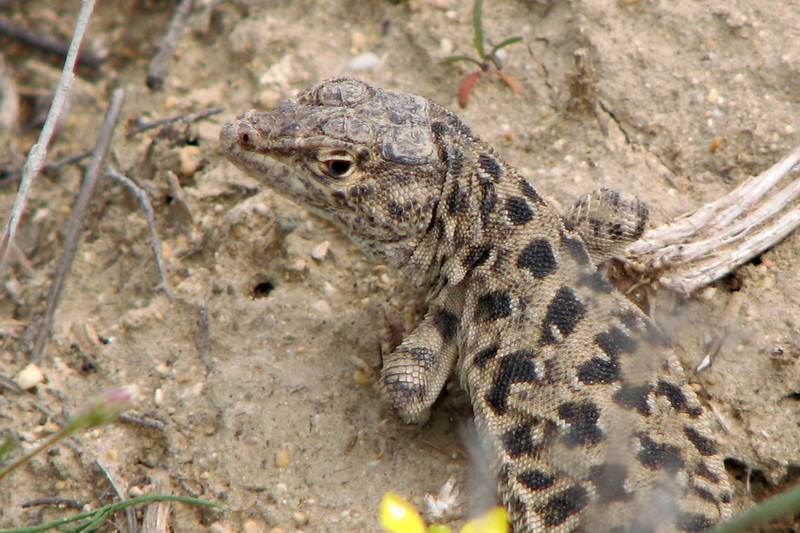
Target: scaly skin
(578,398)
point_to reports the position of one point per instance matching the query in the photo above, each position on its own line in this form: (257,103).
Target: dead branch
(155,240)
(158,68)
(47,43)
(707,244)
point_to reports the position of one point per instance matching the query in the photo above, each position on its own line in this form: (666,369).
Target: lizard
(578,397)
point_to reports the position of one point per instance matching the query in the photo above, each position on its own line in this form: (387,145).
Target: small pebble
(158,397)
(362,62)
(320,251)
(191,158)
(713,96)
(282,458)
(251,526)
(29,377)
(299,518)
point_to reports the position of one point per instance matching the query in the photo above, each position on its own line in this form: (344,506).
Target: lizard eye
(337,165)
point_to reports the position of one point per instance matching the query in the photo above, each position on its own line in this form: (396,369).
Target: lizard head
(364,158)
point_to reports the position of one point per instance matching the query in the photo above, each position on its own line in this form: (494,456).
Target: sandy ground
(257,382)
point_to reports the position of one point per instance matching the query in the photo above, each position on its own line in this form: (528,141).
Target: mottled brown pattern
(576,394)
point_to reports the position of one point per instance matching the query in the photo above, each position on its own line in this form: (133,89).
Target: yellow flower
(494,521)
(398,516)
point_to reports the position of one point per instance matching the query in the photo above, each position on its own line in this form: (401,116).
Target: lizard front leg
(415,373)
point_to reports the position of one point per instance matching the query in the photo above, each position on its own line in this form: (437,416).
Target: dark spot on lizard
(455,160)
(706,495)
(536,479)
(477,255)
(656,456)
(705,445)
(447,324)
(703,470)
(490,165)
(598,370)
(485,355)
(493,306)
(396,211)
(528,190)
(634,397)
(582,419)
(609,478)
(693,522)
(629,319)
(595,281)
(677,398)
(518,210)
(615,342)
(488,200)
(576,249)
(566,503)
(516,367)
(563,313)
(424,357)
(517,441)
(360,192)
(456,201)
(538,258)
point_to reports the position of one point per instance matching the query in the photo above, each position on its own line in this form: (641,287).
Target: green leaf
(477,25)
(455,59)
(505,43)
(761,513)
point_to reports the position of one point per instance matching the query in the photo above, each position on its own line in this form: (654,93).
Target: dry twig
(187,118)
(158,68)
(155,240)
(76,222)
(39,150)
(48,43)
(705,245)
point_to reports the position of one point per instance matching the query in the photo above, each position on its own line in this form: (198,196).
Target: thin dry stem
(39,150)
(158,67)
(76,221)
(705,245)
(155,240)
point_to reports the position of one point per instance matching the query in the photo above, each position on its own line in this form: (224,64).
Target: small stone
(365,61)
(251,526)
(191,158)
(29,377)
(158,397)
(321,250)
(713,96)
(282,458)
(299,518)
(321,306)
(135,491)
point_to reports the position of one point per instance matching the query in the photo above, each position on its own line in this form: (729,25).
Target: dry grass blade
(707,244)
(76,222)
(39,150)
